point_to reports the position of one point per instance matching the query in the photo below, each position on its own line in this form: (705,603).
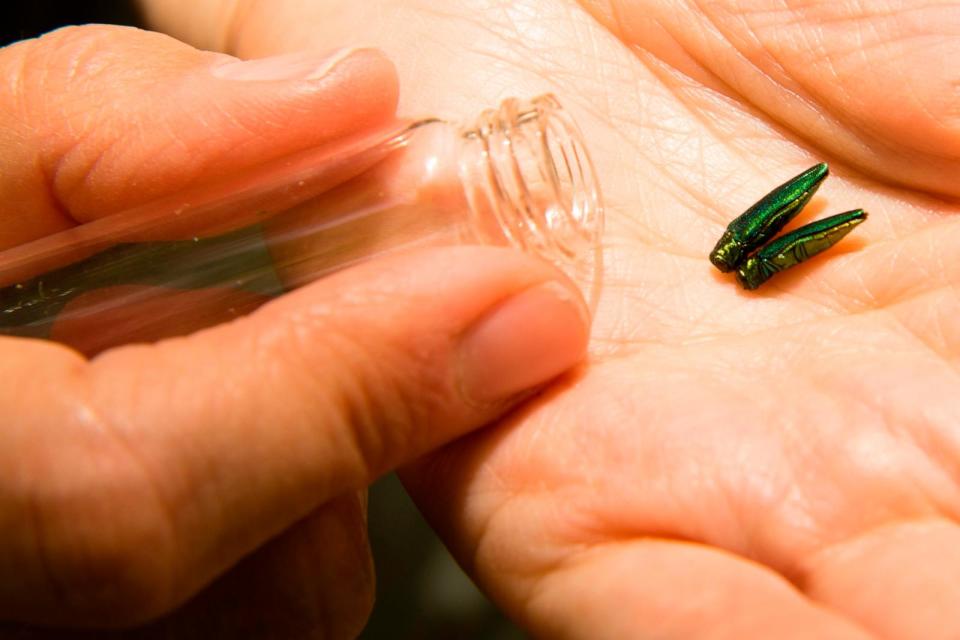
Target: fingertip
(108,118)
(374,75)
(530,338)
(364,76)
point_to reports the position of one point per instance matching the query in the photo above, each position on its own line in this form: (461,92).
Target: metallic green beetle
(795,247)
(766,218)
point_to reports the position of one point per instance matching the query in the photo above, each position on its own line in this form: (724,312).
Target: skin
(221,474)
(729,464)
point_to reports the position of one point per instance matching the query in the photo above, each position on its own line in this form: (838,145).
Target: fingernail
(293,66)
(523,342)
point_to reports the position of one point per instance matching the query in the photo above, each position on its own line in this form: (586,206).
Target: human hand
(237,455)
(731,464)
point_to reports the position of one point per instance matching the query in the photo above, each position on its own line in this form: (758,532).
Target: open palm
(728,464)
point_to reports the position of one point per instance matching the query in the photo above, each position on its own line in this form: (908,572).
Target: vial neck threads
(529,182)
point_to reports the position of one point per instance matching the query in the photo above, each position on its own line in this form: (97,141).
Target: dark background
(19,20)
(421,593)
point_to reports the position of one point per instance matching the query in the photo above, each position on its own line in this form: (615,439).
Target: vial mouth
(527,169)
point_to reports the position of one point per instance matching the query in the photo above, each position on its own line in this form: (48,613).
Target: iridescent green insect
(761,222)
(795,247)
(766,218)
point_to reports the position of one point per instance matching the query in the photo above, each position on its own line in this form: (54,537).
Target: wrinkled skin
(728,464)
(231,460)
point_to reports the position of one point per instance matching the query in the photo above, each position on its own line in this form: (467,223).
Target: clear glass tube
(519,175)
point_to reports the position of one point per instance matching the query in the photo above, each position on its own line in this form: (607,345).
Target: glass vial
(519,176)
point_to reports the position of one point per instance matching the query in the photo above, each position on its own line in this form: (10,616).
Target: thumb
(100,119)
(172,461)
